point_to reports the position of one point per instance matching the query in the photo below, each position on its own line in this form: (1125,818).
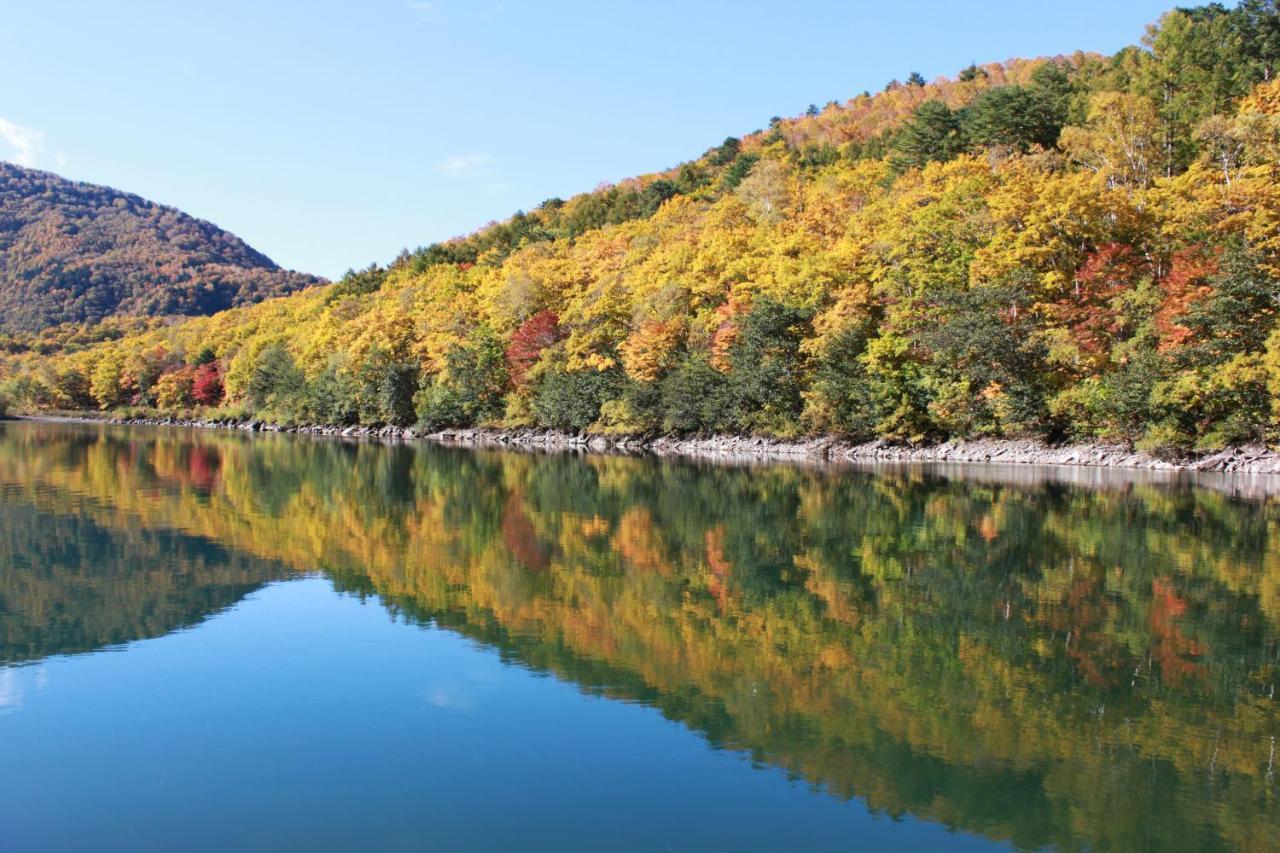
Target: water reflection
(1036,662)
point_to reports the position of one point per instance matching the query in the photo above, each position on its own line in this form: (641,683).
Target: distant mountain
(76,252)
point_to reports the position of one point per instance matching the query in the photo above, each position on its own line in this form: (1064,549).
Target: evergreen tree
(933,133)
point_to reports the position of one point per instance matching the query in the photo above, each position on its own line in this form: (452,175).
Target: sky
(331,135)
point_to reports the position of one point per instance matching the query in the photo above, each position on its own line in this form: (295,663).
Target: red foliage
(206,390)
(1186,284)
(203,469)
(721,568)
(534,335)
(521,537)
(1108,271)
(1174,651)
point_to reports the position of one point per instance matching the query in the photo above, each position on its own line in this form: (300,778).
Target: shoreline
(1247,460)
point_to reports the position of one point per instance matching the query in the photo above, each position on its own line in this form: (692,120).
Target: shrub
(173,390)
(275,383)
(572,399)
(206,385)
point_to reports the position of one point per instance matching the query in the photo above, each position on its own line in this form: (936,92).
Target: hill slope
(75,252)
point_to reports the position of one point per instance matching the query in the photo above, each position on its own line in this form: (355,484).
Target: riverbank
(1249,459)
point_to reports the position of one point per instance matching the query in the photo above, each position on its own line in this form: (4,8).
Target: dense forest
(1049,666)
(1069,248)
(78,253)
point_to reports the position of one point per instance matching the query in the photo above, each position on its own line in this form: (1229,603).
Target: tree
(844,401)
(932,133)
(470,390)
(1121,140)
(726,152)
(693,397)
(206,384)
(274,381)
(572,399)
(738,171)
(387,386)
(1240,311)
(1016,117)
(105,381)
(985,363)
(1257,28)
(528,343)
(766,371)
(174,389)
(333,395)
(765,191)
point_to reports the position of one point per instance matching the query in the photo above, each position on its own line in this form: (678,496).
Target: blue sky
(333,134)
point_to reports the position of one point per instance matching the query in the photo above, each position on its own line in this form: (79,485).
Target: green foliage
(386,387)
(726,151)
(738,171)
(1016,117)
(353,283)
(767,374)
(275,383)
(985,367)
(694,397)
(845,403)
(1125,403)
(1219,393)
(333,395)
(565,399)
(471,389)
(932,133)
(1239,312)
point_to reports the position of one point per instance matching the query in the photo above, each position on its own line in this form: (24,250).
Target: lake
(217,641)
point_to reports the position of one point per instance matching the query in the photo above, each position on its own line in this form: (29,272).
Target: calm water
(209,641)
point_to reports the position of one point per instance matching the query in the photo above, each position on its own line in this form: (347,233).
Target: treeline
(1070,248)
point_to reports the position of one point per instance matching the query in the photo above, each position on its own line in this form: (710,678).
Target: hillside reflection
(1041,663)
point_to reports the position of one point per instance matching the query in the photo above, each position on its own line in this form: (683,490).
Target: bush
(844,401)
(386,388)
(572,399)
(767,370)
(174,390)
(471,388)
(275,383)
(332,397)
(694,397)
(206,385)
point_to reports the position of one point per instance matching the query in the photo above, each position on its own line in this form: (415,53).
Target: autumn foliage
(1077,247)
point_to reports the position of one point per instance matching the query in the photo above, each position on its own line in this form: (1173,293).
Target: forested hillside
(1070,247)
(73,253)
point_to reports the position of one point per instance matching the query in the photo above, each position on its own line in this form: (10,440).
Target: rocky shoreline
(1251,459)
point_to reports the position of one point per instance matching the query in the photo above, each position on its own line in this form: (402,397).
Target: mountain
(1068,248)
(72,252)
